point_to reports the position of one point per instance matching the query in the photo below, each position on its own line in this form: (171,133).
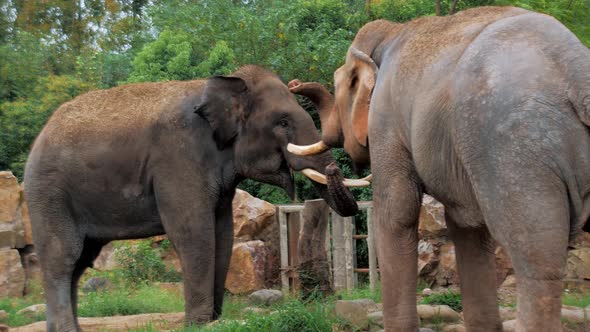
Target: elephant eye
(353,82)
(284,123)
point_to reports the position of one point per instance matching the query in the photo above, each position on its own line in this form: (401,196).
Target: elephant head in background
(487,110)
(151,158)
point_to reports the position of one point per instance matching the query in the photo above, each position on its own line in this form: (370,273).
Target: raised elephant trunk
(324,102)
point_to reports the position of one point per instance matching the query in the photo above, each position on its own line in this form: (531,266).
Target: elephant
(151,158)
(488,111)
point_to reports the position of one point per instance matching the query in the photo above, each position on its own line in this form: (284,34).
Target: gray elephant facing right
(488,111)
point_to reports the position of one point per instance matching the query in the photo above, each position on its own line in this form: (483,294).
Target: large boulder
(247,267)
(503,265)
(12,274)
(12,232)
(427,258)
(106,259)
(578,264)
(356,312)
(432,218)
(251,215)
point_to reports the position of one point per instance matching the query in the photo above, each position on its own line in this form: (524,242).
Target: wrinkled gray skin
(154,158)
(488,111)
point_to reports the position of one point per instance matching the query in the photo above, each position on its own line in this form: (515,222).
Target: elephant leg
(188,217)
(89,253)
(474,250)
(59,247)
(224,238)
(397,199)
(531,222)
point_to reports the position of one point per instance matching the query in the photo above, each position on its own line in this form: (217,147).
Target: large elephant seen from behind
(488,111)
(153,158)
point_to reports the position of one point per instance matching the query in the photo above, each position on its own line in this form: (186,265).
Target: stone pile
(366,315)
(18,262)
(436,252)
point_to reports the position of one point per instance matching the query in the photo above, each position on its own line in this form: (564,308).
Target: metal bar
(363,270)
(360,236)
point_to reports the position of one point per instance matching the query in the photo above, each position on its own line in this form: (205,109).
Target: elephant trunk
(324,103)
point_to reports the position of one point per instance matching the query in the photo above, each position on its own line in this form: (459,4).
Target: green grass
(122,301)
(450,298)
(577,299)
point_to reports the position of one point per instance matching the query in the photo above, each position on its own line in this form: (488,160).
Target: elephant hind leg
(531,221)
(90,251)
(474,248)
(59,247)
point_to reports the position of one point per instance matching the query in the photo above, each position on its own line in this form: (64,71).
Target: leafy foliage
(450,298)
(143,264)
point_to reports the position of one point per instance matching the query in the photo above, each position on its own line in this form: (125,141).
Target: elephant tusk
(306,150)
(321,178)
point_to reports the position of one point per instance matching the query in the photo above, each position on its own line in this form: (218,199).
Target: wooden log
(314,269)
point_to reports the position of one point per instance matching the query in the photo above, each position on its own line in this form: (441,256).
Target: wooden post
(342,255)
(293,229)
(284,244)
(372,255)
(313,268)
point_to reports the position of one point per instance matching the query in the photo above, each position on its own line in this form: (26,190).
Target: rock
(432,218)
(509,325)
(266,296)
(437,313)
(96,284)
(33,311)
(157,322)
(255,219)
(3,328)
(582,240)
(575,315)
(447,267)
(255,310)
(12,278)
(9,197)
(251,215)
(427,258)
(578,264)
(427,291)
(12,233)
(3,315)
(25,216)
(503,265)
(247,267)
(454,328)
(106,259)
(507,313)
(509,282)
(375,320)
(355,311)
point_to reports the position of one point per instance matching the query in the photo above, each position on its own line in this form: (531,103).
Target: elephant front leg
(396,209)
(189,223)
(224,238)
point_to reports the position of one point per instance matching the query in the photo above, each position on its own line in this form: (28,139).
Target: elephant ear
(223,104)
(364,75)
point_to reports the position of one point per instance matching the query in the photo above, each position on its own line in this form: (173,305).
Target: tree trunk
(437,2)
(453,7)
(314,270)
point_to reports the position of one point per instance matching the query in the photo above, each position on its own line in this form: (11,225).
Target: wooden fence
(340,247)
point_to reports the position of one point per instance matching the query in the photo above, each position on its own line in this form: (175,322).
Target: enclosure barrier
(339,245)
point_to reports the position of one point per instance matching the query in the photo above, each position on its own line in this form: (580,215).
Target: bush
(450,298)
(141,263)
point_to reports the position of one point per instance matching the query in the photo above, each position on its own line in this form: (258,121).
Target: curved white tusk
(321,178)
(306,150)
(368,178)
